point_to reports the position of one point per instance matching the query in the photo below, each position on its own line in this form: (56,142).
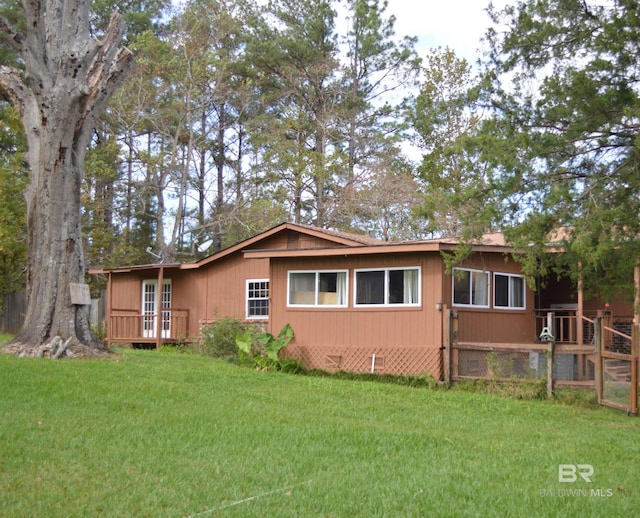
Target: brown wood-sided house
(355,303)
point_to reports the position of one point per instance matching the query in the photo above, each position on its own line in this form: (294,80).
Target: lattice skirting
(391,360)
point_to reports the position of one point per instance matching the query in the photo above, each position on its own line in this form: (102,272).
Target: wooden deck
(129,326)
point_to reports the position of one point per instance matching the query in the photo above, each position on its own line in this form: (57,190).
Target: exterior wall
(403,340)
(495,325)
(214,290)
(126,292)
(224,286)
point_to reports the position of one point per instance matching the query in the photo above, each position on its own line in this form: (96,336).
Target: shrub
(219,339)
(262,350)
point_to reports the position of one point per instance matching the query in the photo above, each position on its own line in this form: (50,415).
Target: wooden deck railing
(565,324)
(127,325)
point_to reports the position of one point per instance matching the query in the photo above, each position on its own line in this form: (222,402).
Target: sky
(457,24)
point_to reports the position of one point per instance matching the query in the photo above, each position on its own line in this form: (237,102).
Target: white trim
(386,271)
(246,296)
(315,293)
(510,306)
(470,304)
(149,311)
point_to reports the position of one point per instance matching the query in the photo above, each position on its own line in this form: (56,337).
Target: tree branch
(106,70)
(13,87)
(13,36)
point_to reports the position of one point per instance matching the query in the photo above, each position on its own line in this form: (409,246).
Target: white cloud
(457,24)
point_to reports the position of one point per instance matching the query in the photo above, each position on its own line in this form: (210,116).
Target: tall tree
(294,54)
(561,87)
(379,73)
(67,79)
(445,119)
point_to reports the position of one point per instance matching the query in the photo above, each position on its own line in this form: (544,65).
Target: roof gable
(290,236)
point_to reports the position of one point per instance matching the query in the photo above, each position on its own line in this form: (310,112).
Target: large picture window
(390,286)
(470,288)
(317,288)
(508,291)
(258,298)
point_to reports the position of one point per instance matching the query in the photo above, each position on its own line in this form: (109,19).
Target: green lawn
(166,434)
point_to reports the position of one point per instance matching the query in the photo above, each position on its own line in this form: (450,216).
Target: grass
(166,434)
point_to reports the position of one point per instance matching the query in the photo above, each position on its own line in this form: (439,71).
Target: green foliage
(219,338)
(263,350)
(166,434)
(13,181)
(560,76)
(516,389)
(425,380)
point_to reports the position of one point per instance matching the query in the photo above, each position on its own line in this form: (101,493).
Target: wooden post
(580,309)
(547,334)
(447,346)
(633,389)
(109,330)
(159,307)
(635,338)
(550,357)
(550,360)
(454,341)
(597,339)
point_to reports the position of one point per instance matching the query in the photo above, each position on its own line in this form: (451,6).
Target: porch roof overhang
(340,239)
(136,268)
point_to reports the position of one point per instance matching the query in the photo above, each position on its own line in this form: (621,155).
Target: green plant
(263,349)
(219,339)
(100,331)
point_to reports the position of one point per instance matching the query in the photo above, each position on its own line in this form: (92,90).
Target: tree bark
(67,81)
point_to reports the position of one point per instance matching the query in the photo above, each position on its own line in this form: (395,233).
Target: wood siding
(493,325)
(404,339)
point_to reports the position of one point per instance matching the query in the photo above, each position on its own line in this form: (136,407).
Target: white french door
(149,310)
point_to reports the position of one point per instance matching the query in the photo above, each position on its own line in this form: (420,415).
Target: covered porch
(578,341)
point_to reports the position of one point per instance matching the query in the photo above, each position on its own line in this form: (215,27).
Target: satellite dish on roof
(203,247)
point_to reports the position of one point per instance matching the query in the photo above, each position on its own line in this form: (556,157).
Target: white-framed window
(387,287)
(317,288)
(470,288)
(509,291)
(258,298)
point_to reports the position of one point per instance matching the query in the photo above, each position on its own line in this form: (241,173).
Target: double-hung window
(258,298)
(470,288)
(388,286)
(317,288)
(508,291)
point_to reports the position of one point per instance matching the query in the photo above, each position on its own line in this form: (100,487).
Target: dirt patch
(55,349)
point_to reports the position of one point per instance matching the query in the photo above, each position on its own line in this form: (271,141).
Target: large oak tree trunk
(68,79)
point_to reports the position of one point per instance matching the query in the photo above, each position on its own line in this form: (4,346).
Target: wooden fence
(15,305)
(608,364)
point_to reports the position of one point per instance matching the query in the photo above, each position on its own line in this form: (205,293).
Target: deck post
(580,309)
(109,330)
(159,307)
(550,357)
(447,346)
(633,389)
(454,341)
(597,339)
(635,342)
